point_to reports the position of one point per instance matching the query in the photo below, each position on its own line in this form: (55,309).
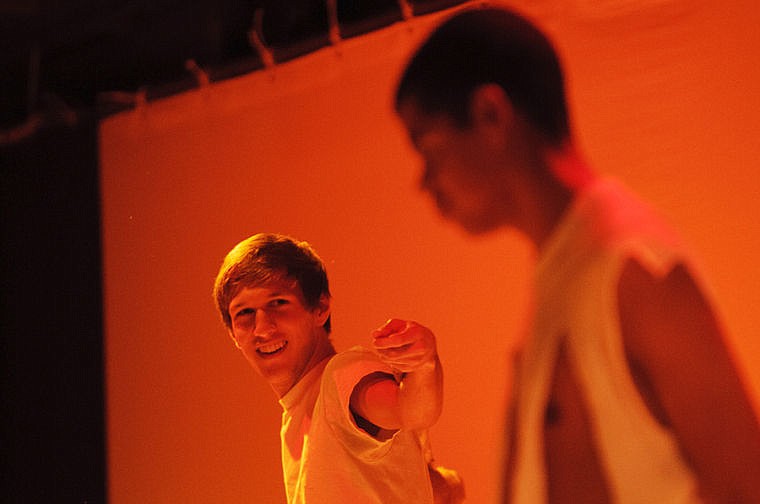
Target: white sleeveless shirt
(327,459)
(576,285)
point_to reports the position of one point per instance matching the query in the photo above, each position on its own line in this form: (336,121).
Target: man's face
(459,169)
(278,334)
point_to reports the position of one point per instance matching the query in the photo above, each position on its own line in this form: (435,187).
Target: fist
(404,345)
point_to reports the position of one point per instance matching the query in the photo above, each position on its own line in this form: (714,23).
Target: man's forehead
(276,283)
(410,115)
(418,123)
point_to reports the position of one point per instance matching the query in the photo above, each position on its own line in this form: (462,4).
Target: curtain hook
(201,77)
(334,24)
(407,12)
(256,40)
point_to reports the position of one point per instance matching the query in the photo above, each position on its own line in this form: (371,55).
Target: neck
(321,352)
(564,174)
(324,350)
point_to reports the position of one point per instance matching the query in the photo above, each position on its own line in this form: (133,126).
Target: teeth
(270,348)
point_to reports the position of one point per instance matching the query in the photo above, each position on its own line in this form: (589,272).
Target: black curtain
(51,346)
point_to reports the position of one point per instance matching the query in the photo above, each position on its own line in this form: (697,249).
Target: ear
(322,311)
(491,111)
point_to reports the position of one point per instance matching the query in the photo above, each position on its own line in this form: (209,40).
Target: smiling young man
(626,390)
(354,423)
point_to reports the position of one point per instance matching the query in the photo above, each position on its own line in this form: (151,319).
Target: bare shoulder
(672,307)
(679,352)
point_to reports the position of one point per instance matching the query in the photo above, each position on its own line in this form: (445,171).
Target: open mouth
(272,348)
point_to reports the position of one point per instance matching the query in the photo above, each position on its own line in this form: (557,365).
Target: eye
(275,303)
(244,313)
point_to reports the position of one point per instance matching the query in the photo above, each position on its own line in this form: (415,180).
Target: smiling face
(279,335)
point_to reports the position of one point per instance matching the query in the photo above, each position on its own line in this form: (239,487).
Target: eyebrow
(274,294)
(234,307)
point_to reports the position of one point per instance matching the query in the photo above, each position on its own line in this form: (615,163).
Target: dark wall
(51,343)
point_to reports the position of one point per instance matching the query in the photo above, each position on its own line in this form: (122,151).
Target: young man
(625,391)
(354,423)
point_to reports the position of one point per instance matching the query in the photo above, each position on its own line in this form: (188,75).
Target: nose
(426,179)
(264,326)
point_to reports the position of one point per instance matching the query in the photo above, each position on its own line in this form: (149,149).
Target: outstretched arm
(685,371)
(413,398)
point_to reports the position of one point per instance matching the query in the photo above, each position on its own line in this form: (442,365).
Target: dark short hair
(267,256)
(478,46)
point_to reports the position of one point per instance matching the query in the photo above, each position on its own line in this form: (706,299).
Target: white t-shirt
(327,459)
